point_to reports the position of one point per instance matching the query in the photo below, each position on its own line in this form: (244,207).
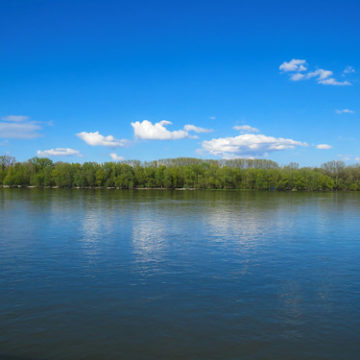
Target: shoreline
(164,189)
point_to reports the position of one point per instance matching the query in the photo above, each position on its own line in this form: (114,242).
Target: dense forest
(243,174)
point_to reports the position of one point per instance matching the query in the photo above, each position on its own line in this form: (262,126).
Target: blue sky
(78,79)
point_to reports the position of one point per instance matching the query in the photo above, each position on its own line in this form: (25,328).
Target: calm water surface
(179,275)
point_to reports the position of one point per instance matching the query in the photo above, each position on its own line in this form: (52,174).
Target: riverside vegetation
(246,174)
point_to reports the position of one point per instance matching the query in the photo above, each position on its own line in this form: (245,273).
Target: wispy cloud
(320,74)
(146,130)
(345,111)
(323,147)
(196,129)
(19,127)
(15,118)
(344,157)
(297,77)
(58,152)
(248,145)
(245,128)
(116,157)
(298,72)
(96,139)
(332,81)
(349,70)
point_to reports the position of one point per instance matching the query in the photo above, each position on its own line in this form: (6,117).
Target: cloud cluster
(96,139)
(146,130)
(248,145)
(58,152)
(298,72)
(18,127)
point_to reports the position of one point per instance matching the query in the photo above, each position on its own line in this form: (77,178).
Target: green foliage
(262,175)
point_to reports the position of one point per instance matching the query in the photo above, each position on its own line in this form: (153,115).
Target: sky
(111,80)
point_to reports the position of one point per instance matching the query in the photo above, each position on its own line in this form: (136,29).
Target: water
(91,274)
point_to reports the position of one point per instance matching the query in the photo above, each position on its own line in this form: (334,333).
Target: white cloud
(212,117)
(58,152)
(245,128)
(116,157)
(293,65)
(321,76)
(96,139)
(196,129)
(323,146)
(148,131)
(15,118)
(248,145)
(19,130)
(357,158)
(158,131)
(349,70)
(345,111)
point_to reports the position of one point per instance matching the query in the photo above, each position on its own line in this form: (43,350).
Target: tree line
(246,174)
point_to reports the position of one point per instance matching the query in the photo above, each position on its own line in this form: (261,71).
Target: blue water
(102,274)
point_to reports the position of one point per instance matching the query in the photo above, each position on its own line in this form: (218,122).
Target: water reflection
(92,232)
(149,239)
